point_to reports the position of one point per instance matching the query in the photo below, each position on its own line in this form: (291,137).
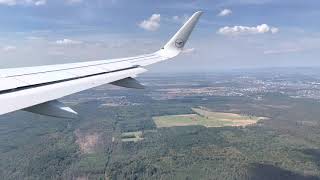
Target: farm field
(206,118)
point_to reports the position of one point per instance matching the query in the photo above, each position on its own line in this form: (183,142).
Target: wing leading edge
(34,88)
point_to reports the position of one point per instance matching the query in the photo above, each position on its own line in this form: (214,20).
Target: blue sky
(231,34)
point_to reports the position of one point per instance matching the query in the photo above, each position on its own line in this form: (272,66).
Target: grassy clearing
(203,117)
(132,136)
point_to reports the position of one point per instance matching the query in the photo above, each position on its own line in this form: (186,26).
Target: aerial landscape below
(222,126)
(159,90)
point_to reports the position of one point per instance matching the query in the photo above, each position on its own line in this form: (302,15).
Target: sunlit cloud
(243,30)
(152,24)
(74,1)
(225,12)
(189,51)
(181,19)
(23,2)
(282,51)
(8,48)
(8,2)
(68,42)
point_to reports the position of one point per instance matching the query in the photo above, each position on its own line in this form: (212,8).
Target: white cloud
(9,48)
(225,12)
(8,2)
(21,2)
(274,30)
(152,24)
(35,38)
(176,18)
(282,51)
(190,50)
(39,2)
(180,19)
(246,2)
(74,1)
(67,42)
(241,30)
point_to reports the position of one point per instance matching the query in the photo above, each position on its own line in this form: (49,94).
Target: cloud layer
(282,51)
(8,48)
(245,30)
(67,42)
(23,2)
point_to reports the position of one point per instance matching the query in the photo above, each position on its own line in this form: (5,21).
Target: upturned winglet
(178,41)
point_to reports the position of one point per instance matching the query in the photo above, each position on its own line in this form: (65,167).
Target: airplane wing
(36,89)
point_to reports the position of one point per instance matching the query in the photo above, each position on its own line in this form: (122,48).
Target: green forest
(285,146)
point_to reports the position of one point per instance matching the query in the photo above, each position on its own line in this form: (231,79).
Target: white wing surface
(36,89)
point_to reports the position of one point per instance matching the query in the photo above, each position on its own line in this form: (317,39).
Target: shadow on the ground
(314,155)
(269,172)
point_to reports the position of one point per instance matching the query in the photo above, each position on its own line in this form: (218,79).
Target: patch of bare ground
(88,142)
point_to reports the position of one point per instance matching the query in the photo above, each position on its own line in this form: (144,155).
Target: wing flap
(53,109)
(128,83)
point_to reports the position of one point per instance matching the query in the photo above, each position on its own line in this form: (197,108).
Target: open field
(132,136)
(204,117)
